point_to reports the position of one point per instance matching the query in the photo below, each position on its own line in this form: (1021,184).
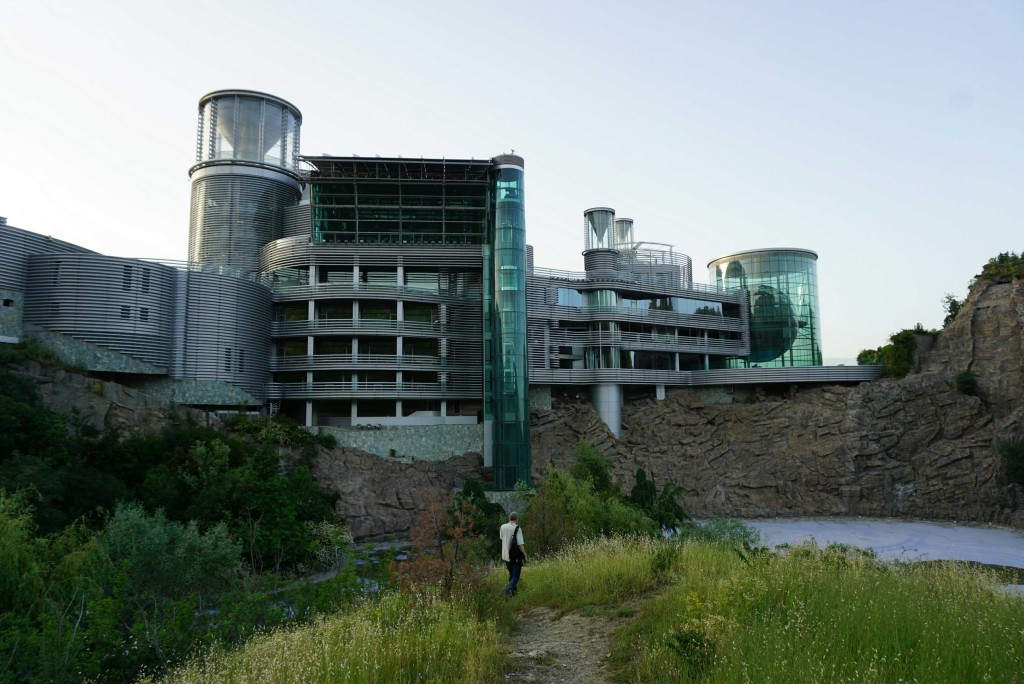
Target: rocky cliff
(913,447)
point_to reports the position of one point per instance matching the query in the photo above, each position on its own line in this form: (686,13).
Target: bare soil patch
(568,648)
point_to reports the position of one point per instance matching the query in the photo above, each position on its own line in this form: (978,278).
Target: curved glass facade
(507,400)
(248,126)
(783,290)
(599,228)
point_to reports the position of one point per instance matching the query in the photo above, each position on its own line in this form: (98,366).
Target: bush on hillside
(1012,452)
(967,383)
(1003,267)
(566,509)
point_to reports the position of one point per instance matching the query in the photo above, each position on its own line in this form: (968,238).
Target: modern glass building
(782,290)
(394,302)
(403,303)
(634,318)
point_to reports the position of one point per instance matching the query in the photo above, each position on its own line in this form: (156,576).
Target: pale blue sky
(887,137)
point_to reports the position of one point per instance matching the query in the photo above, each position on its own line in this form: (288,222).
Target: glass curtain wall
(507,396)
(391,202)
(783,290)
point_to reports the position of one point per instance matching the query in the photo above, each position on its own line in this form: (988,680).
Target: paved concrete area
(900,539)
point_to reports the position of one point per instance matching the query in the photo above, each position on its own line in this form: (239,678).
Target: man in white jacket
(513,551)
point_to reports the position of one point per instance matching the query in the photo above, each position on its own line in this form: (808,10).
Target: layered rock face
(382,498)
(914,447)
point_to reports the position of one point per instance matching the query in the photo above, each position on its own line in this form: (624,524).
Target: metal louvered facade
(121,304)
(245,177)
(15,248)
(226,331)
(234,213)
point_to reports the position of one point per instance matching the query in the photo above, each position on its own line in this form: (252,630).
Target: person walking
(513,551)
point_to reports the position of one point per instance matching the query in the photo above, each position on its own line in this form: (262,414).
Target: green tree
(592,466)
(1003,266)
(566,509)
(870,357)
(662,507)
(952,307)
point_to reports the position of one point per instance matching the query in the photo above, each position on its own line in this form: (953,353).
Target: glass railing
(623,277)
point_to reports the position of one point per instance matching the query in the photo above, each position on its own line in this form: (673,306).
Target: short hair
(513,516)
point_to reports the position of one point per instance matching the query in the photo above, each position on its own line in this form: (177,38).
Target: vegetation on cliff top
(1005,266)
(897,356)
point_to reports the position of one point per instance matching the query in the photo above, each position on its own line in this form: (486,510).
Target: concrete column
(607,402)
(309,413)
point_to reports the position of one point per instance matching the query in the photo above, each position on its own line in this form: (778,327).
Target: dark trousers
(514,569)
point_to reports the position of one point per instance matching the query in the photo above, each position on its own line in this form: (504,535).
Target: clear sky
(886,136)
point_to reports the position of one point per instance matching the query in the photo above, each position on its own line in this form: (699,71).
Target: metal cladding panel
(459,325)
(227,331)
(601,262)
(298,221)
(15,247)
(733,376)
(123,304)
(234,215)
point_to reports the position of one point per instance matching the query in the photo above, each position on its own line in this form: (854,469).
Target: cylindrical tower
(507,404)
(624,233)
(245,176)
(783,288)
(599,228)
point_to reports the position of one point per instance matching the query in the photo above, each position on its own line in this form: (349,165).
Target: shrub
(663,508)
(1004,266)
(967,383)
(594,467)
(952,306)
(1013,452)
(566,509)
(721,530)
(446,553)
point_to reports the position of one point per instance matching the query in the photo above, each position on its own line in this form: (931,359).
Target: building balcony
(357,361)
(364,326)
(370,390)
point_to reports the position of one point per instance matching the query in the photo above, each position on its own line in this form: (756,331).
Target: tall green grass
(825,616)
(699,611)
(396,639)
(610,570)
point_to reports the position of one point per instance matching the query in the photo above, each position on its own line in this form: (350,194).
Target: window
(227,358)
(126,312)
(8,302)
(126,278)
(143,313)
(144,286)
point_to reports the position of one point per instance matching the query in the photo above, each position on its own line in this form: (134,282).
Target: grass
(598,573)
(396,639)
(687,611)
(832,615)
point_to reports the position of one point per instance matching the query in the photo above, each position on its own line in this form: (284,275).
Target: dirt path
(571,649)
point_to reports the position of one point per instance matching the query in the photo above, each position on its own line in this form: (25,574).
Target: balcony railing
(343,361)
(371,390)
(729,376)
(350,325)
